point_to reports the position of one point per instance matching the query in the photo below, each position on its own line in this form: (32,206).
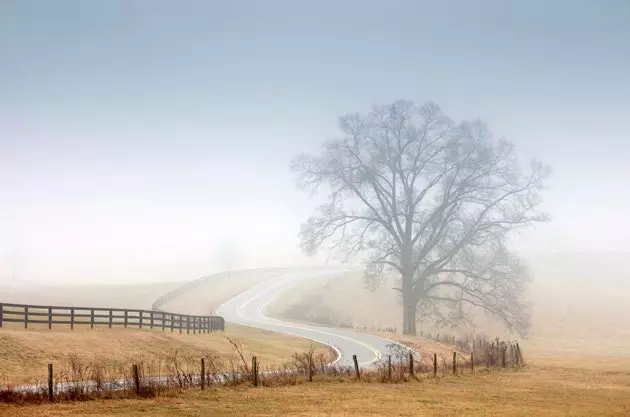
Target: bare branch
(432,200)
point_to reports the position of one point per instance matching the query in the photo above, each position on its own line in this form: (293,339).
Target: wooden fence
(91,316)
(401,366)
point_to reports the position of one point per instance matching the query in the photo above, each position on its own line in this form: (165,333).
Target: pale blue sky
(136,136)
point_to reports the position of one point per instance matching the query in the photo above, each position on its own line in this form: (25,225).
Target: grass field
(24,354)
(578,363)
(533,391)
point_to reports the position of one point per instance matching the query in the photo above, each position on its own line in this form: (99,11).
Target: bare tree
(413,192)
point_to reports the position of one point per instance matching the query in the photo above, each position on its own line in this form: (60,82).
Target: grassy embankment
(24,354)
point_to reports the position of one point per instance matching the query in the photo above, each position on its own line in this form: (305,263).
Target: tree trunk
(409,317)
(410,302)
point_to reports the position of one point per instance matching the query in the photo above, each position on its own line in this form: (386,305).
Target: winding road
(248,308)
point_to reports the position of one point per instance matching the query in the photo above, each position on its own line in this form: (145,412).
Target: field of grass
(24,354)
(532,391)
(578,361)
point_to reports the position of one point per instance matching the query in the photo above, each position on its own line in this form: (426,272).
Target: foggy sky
(137,137)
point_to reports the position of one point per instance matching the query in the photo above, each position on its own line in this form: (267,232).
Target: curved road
(248,308)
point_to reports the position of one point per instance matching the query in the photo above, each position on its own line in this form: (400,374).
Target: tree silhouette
(435,201)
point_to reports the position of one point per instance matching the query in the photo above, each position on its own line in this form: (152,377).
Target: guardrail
(92,316)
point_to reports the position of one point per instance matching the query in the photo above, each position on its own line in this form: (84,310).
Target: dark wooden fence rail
(91,316)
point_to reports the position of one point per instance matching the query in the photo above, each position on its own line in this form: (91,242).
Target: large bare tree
(413,192)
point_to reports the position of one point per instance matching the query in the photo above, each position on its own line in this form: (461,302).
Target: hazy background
(139,139)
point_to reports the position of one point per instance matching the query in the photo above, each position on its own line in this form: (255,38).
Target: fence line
(94,316)
(142,380)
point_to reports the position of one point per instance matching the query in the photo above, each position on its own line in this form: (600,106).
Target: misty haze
(343,208)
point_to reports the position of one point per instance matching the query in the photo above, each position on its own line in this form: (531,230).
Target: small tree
(412,192)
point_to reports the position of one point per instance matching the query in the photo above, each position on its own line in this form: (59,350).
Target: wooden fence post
(187,324)
(503,362)
(141,319)
(435,365)
(151,320)
(136,379)
(50,317)
(472,362)
(411,373)
(163,321)
(356,367)
(111,318)
(51,393)
(203,373)
(310,367)
(91,318)
(518,352)
(513,352)
(72,319)
(1,314)
(180,323)
(454,363)
(255,371)
(26,317)
(389,368)
(126,318)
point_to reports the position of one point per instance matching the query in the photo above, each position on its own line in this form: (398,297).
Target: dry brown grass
(425,347)
(24,354)
(578,352)
(578,364)
(534,391)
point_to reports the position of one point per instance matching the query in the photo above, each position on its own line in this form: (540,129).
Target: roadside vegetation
(24,354)
(533,390)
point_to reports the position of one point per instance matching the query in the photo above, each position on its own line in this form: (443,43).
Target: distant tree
(413,192)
